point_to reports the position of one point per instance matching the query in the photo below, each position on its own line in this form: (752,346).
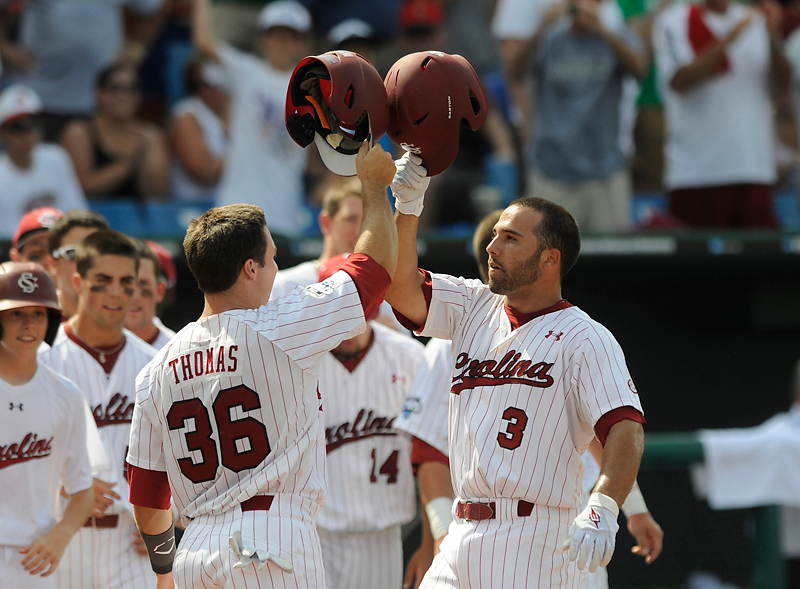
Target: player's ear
(551,258)
(324,220)
(161,290)
(14,254)
(77,281)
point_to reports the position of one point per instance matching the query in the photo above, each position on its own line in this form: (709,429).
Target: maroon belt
(108,521)
(481,511)
(258,503)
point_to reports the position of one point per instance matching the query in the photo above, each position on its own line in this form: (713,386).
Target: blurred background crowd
(634,114)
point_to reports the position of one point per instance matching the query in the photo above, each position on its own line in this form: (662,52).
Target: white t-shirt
(719,131)
(519,19)
(49,182)
(42,446)
(265,166)
(215,138)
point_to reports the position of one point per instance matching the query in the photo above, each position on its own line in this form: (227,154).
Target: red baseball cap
(35,222)
(166,262)
(421,14)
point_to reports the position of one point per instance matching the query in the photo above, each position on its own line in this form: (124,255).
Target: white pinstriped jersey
(524,401)
(370,486)
(425,413)
(164,334)
(42,446)
(110,397)
(230,408)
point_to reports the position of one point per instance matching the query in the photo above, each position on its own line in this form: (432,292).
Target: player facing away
(534,380)
(425,417)
(94,351)
(42,435)
(227,416)
(150,291)
(370,491)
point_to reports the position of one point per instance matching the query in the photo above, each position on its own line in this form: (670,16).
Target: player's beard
(513,279)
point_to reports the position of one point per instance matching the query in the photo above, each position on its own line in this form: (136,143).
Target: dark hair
(105,242)
(145,253)
(481,239)
(76,218)
(219,243)
(105,74)
(557,229)
(193,74)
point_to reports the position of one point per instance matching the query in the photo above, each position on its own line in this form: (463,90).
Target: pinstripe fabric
(266,359)
(426,411)
(371,560)
(105,559)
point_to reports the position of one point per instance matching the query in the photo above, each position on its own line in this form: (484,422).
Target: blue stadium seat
(169,219)
(126,216)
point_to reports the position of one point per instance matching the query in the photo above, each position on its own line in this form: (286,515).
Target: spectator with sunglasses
(116,154)
(32,174)
(63,237)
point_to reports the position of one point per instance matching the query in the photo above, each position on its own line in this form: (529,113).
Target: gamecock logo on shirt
(491,373)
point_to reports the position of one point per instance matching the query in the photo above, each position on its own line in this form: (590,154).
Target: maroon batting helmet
(25,284)
(338,101)
(430,94)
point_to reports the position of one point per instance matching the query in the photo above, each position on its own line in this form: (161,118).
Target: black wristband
(161,550)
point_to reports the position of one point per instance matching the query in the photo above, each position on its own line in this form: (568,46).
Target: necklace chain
(101,353)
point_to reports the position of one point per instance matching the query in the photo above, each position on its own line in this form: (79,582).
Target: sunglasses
(26,124)
(68,252)
(134,87)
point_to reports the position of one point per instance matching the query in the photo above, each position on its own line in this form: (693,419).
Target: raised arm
(378,239)
(409,184)
(202,35)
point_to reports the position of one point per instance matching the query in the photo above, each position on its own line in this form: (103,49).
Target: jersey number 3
(517,421)
(243,443)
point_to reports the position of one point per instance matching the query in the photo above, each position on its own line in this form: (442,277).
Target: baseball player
(425,415)
(340,225)
(370,487)
(93,350)
(150,290)
(227,414)
(29,243)
(534,380)
(63,238)
(42,435)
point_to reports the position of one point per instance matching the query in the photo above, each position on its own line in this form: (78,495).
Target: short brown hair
(337,192)
(557,229)
(145,253)
(219,243)
(481,239)
(76,218)
(105,242)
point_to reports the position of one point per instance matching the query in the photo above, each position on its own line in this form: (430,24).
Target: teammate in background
(29,243)
(425,417)
(535,379)
(227,415)
(150,290)
(340,225)
(370,487)
(94,351)
(63,238)
(42,433)
(168,274)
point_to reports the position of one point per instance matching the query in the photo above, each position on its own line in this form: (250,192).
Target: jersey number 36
(243,443)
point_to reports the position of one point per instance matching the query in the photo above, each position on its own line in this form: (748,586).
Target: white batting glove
(409,184)
(252,555)
(593,534)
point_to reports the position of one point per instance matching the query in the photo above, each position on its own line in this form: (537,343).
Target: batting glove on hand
(592,535)
(409,184)
(256,556)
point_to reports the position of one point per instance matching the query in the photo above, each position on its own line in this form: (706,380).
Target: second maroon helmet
(338,101)
(430,94)
(25,284)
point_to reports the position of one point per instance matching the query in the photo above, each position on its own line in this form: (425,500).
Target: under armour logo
(411,148)
(555,335)
(11,406)
(400,379)
(594,518)
(28,282)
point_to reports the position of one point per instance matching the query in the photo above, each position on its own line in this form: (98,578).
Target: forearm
(152,521)
(104,180)
(202,35)
(405,293)
(700,69)
(621,456)
(77,511)
(632,61)
(434,481)
(154,174)
(378,232)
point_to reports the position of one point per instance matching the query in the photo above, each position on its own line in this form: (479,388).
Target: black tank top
(127,187)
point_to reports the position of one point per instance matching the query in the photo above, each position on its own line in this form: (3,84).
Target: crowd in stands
(591,103)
